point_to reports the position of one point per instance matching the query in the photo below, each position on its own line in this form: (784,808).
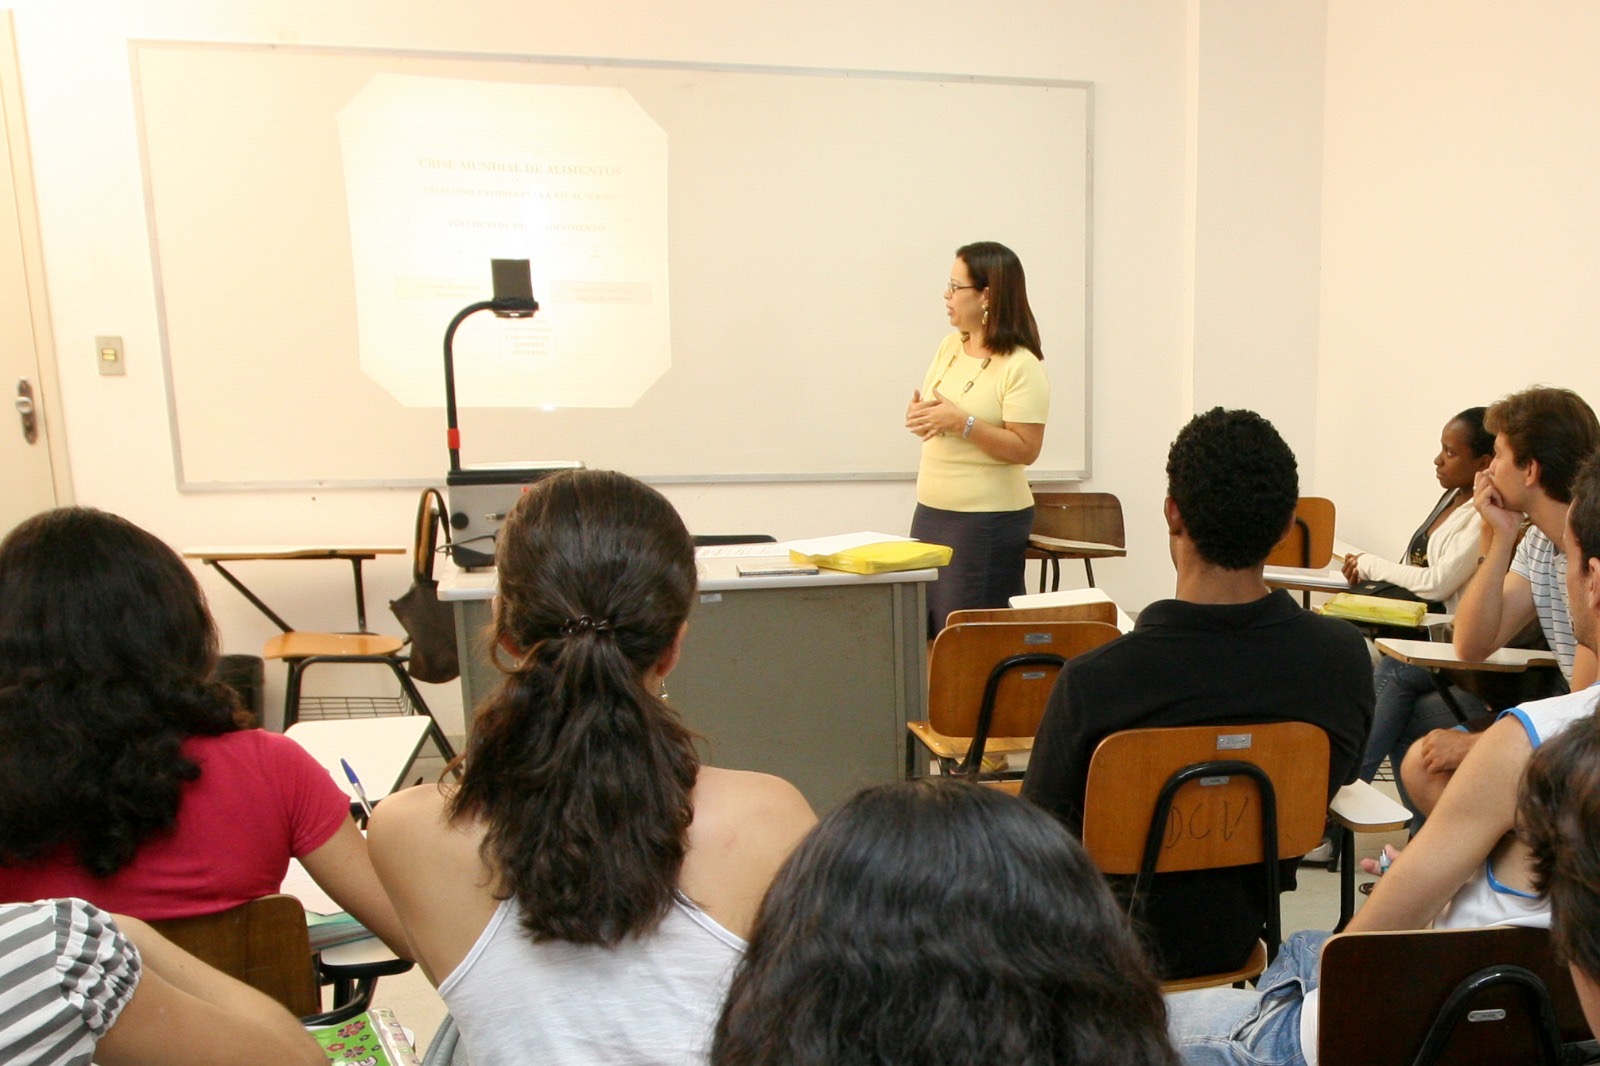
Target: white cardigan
(1453,551)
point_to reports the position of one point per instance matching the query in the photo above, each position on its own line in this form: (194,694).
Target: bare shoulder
(745,825)
(412,829)
(1502,752)
(433,873)
(740,803)
(409,815)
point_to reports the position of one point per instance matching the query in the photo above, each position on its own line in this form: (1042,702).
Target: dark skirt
(987,562)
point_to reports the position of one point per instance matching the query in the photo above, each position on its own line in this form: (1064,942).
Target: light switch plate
(108,354)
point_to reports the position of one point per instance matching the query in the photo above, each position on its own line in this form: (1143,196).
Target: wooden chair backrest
(963,656)
(263,943)
(1214,821)
(1093,516)
(1313,520)
(1363,1019)
(425,537)
(1103,611)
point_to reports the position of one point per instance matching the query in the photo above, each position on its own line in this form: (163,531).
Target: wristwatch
(966,432)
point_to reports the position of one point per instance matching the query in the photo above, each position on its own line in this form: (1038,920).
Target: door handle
(25,411)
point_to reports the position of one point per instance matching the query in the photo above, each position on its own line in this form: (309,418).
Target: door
(29,480)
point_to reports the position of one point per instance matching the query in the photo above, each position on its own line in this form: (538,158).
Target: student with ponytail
(584,892)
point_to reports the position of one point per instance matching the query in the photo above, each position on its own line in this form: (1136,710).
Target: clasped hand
(1442,750)
(1486,498)
(929,418)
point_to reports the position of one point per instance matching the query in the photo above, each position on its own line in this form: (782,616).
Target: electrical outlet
(108,352)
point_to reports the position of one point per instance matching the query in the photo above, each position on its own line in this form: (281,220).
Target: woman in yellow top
(980,414)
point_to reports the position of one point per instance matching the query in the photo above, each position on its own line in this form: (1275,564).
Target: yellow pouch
(882,558)
(1378,610)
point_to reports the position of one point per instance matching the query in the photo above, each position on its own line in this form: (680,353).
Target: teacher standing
(980,414)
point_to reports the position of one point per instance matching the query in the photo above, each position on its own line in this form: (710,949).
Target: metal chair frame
(1269,835)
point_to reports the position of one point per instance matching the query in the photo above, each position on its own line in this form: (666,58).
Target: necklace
(970,381)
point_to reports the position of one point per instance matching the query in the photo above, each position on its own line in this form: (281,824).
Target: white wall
(1256,118)
(1206,138)
(1461,232)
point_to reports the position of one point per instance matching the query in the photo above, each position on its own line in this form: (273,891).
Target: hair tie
(582,623)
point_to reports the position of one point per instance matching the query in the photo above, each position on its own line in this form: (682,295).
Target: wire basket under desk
(356,706)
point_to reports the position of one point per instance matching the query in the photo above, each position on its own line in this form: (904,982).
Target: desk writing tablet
(1438,655)
(1092,548)
(1072,598)
(380,750)
(1314,579)
(291,551)
(354,554)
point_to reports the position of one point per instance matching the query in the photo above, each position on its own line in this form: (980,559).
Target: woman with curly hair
(583,894)
(941,923)
(128,778)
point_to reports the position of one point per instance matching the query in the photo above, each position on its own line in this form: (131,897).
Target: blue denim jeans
(1406,708)
(1237,1027)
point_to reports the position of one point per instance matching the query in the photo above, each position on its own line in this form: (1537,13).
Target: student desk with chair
(809,677)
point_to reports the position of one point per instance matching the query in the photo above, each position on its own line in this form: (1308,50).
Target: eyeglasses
(951,288)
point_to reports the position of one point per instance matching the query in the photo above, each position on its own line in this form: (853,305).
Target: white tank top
(648,1001)
(1484,900)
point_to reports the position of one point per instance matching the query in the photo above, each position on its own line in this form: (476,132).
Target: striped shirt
(1545,567)
(66,972)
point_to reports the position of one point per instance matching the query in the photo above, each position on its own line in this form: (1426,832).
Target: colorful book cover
(372,1038)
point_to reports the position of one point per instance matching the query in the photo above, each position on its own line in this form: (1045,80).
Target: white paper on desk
(740,551)
(298,883)
(1072,598)
(839,542)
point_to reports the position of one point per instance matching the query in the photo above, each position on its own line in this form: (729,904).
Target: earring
(986,314)
(663,692)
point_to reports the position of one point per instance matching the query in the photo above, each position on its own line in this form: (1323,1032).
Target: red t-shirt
(259,799)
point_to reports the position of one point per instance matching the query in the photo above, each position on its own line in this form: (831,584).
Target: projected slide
(444,174)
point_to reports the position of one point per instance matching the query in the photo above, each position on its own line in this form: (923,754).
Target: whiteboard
(811,217)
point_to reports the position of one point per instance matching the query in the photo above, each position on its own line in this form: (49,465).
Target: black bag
(1390,591)
(431,625)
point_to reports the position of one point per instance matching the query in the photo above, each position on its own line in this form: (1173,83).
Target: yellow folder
(1377,610)
(881,558)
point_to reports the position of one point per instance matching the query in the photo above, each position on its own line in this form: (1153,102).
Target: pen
(355,783)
